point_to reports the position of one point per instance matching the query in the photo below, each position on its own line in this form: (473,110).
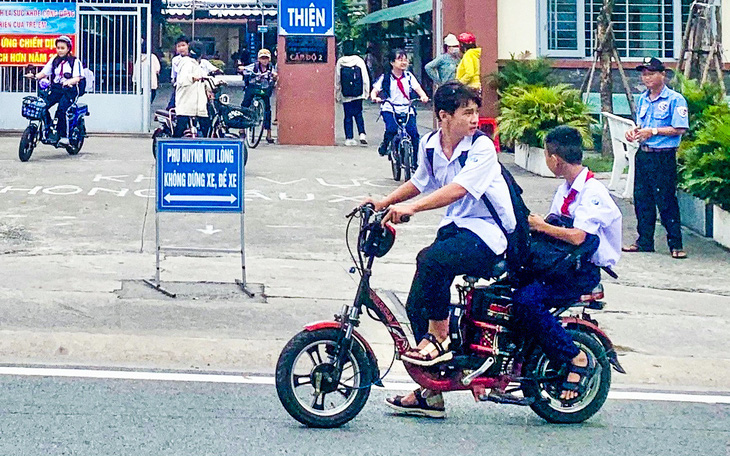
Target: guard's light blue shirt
(669,109)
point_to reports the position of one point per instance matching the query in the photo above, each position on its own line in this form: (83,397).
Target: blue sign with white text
(200,175)
(307,17)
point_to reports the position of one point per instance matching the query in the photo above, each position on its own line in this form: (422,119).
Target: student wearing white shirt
(143,66)
(397,86)
(64,89)
(469,240)
(191,97)
(182,47)
(586,203)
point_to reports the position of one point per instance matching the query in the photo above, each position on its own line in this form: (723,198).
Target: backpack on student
(87,76)
(518,241)
(351,81)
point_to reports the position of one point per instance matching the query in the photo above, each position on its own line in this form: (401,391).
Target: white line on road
(267,380)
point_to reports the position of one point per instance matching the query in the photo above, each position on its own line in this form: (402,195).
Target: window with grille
(641,27)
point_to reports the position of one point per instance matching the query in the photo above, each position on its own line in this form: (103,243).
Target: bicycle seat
(162,112)
(498,270)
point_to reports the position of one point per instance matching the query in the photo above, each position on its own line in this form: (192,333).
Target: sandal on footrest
(420,408)
(425,356)
(586,375)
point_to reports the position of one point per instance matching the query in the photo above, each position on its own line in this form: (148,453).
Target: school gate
(108,40)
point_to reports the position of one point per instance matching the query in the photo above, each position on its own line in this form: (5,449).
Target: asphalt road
(70,416)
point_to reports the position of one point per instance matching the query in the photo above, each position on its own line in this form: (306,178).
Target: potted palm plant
(530,112)
(705,169)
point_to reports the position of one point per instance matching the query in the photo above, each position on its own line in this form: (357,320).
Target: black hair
(348,47)
(394,54)
(182,39)
(566,143)
(454,95)
(466,46)
(197,49)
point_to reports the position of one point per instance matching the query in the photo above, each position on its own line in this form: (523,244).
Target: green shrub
(529,112)
(699,99)
(521,71)
(705,165)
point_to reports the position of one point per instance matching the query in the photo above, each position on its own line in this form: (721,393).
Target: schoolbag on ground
(518,241)
(351,81)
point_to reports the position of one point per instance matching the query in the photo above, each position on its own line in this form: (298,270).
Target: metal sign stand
(197,203)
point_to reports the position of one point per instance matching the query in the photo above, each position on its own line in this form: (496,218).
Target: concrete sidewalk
(71,267)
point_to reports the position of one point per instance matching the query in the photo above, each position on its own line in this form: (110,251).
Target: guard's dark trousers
(455,251)
(656,186)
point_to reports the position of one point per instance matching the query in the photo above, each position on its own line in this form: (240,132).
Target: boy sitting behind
(588,204)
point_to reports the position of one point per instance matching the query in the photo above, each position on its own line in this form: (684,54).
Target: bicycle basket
(33,108)
(237,118)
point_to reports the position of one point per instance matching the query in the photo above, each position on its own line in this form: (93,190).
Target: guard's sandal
(432,407)
(678,254)
(586,374)
(635,248)
(433,353)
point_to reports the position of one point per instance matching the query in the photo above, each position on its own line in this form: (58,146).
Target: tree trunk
(606,46)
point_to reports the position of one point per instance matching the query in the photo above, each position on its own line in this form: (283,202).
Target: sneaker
(363,139)
(64,142)
(350,142)
(431,407)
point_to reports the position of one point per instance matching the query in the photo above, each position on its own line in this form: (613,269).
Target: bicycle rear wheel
(256,132)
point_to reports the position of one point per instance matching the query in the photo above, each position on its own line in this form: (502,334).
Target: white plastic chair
(624,152)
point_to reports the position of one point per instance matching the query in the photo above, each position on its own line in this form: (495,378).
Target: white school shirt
(61,69)
(480,175)
(396,96)
(175,68)
(594,212)
(207,66)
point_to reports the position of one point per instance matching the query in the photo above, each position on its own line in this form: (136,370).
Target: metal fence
(109,41)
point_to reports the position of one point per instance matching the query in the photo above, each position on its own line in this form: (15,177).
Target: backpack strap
(429,150)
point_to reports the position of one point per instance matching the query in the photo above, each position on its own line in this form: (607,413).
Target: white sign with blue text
(200,175)
(307,17)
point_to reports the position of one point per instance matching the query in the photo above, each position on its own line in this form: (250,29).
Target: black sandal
(423,356)
(586,375)
(420,408)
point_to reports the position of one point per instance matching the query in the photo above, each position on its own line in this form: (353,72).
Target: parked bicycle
(403,158)
(225,119)
(34,109)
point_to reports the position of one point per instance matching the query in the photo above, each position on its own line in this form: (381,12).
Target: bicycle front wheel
(256,132)
(395,161)
(406,149)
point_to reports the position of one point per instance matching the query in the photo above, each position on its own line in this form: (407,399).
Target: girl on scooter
(64,72)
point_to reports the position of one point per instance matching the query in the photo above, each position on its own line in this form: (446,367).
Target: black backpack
(351,81)
(71,61)
(518,241)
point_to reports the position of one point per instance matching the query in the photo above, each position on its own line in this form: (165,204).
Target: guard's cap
(651,64)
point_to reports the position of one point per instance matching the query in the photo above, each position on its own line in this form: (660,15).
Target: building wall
(517,26)
(726,30)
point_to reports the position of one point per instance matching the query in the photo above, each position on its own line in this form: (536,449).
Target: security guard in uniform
(661,118)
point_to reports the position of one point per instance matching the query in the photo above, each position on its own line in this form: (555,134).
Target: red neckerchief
(571,196)
(399,83)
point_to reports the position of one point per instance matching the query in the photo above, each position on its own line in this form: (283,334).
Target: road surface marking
(269,380)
